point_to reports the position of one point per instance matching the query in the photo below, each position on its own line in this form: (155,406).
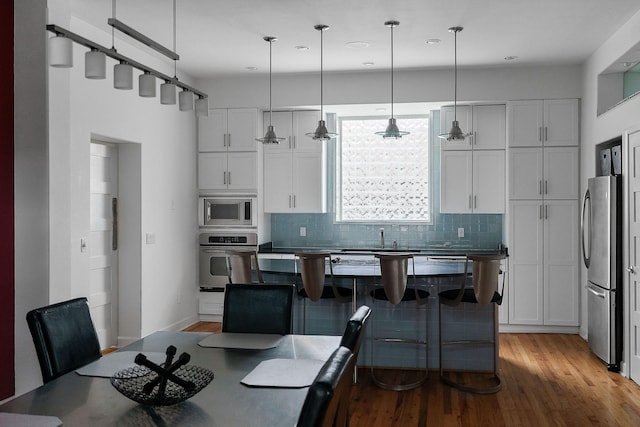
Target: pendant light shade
(123,76)
(167,93)
(321,133)
(147,85)
(455,133)
(270,136)
(202,107)
(392,130)
(95,64)
(60,52)
(185,100)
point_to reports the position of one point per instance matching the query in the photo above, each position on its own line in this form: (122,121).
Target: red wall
(7,317)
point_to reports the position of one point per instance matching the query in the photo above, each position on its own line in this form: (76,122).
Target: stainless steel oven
(212,262)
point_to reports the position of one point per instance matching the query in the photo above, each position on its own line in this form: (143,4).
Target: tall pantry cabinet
(543,213)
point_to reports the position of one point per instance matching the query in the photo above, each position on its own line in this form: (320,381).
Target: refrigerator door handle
(585,256)
(596,293)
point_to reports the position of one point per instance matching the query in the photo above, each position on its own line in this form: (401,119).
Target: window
(379,179)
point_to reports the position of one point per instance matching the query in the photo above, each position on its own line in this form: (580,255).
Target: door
(456,181)
(308,196)
(489,127)
(488,181)
(212,171)
(525,173)
(464,116)
(212,130)
(277,182)
(632,245)
(561,122)
(241,171)
(561,173)
(103,257)
(242,126)
(525,123)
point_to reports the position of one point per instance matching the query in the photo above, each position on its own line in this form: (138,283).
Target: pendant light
(202,106)
(321,133)
(95,64)
(168,88)
(60,52)
(123,76)
(392,130)
(455,133)
(270,136)
(147,85)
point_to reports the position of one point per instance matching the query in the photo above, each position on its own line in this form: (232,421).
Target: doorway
(103,241)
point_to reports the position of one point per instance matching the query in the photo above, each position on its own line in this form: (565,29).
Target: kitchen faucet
(382,238)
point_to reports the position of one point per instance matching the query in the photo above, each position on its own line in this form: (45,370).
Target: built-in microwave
(227,211)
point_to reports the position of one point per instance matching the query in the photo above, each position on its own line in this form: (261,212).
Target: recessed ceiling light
(627,64)
(432,41)
(301,48)
(368,64)
(251,68)
(381,109)
(357,45)
(510,58)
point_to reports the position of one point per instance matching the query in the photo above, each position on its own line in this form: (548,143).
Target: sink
(368,250)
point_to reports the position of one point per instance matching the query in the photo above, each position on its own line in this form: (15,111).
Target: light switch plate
(460,232)
(150,238)
(303,231)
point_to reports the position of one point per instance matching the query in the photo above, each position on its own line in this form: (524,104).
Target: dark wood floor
(548,380)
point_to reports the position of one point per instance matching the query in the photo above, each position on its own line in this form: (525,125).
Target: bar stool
(239,266)
(312,271)
(485,274)
(394,272)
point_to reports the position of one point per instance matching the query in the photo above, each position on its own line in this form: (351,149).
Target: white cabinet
(227,171)
(228,130)
(534,123)
(227,152)
(294,169)
(472,181)
(549,173)
(543,266)
(485,123)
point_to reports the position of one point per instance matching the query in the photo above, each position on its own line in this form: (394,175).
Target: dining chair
(354,333)
(327,400)
(312,272)
(240,266)
(259,308)
(394,276)
(64,337)
(485,277)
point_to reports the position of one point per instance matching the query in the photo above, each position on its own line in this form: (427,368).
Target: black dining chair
(327,400)
(354,331)
(264,308)
(64,337)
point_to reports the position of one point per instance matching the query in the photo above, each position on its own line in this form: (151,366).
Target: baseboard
(539,329)
(180,325)
(210,317)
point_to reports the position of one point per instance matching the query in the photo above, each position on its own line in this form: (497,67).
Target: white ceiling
(216,37)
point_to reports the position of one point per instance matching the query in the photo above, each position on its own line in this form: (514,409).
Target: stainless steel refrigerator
(601,247)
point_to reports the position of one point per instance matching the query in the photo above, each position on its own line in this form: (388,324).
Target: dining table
(86,400)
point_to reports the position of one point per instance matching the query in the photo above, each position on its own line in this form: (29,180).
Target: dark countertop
(440,250)
(366,267)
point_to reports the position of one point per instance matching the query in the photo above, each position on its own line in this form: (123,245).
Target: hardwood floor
(548,380)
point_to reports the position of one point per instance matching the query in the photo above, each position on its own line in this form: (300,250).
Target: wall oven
(212,262)
(227,211)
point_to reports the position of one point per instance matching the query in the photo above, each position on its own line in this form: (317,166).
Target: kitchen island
(361,273)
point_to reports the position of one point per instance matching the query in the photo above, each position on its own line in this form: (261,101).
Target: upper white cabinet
(232,129)
(227,152)
(294,169)
(534,123)
(472,181)
(543,173)
(486,125)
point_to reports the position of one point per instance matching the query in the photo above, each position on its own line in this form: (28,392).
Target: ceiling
(216,38)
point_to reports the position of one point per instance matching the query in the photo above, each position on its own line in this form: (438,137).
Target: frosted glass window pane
(383,179)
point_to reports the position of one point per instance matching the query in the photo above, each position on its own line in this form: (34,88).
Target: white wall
(58,112)
(608,125)
(489,84)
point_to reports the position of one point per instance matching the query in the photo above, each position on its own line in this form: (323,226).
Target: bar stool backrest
(240,266)
(485,273)
(312,270)
(394,270)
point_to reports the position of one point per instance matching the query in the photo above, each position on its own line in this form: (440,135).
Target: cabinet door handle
(546,211)
(475,202)
(546,136)
(540,211)
(475,137)
(294,200)
(540,187)
(294,146)
(540,133)
(224,140)
(224,177)
(546,187)
(470,205)
(290,141)
(228,140)
(229,178)
(289,200)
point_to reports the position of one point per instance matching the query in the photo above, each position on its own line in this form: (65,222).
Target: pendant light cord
(392,25)
(113,29)
(455,75)
(270,109)
(321,83)
(175,62)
